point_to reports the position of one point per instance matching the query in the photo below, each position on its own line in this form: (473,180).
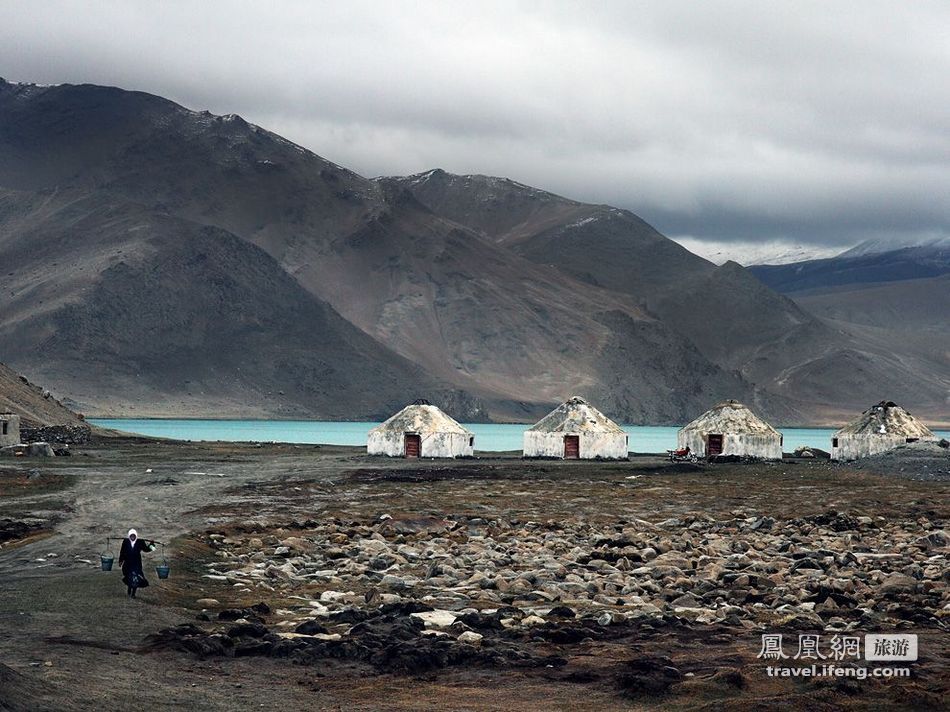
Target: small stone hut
(881,427)
(730,428)
(9,429)
(420,430)
(576,430)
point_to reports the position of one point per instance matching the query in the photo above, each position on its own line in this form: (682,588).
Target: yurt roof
(422,417)
(731,417)
(575,415)
(886,418)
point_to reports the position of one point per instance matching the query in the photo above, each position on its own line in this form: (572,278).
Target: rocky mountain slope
(894,302)
(910,319)
(165,261)
(816,366)
(36,407)
(134,312)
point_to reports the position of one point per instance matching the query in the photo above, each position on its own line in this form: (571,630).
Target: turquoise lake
(488,437)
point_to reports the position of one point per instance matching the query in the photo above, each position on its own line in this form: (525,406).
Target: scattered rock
(574,580)
(40,449)
(648,677)
(311,627)
(812,452)
(933,540)
(897,583)
(436,619)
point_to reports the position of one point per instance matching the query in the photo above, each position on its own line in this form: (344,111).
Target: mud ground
(72,640)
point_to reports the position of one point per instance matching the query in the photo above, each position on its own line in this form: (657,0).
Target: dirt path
(69,624)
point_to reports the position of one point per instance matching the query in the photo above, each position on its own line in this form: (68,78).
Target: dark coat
(130,559)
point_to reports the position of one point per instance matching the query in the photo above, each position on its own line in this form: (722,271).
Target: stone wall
(62,434)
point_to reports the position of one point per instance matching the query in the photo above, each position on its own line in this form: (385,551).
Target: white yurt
(420,430)
(881,427)
(576,430)
(730,428)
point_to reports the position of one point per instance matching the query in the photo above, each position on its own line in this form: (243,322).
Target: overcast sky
(808,122)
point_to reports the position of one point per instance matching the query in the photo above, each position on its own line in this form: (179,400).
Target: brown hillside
(35,406)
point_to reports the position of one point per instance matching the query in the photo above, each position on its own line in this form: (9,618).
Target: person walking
(130,561)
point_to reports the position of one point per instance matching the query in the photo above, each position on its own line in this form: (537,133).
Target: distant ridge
(869,262)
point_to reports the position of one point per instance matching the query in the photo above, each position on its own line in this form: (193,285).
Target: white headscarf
(132,533)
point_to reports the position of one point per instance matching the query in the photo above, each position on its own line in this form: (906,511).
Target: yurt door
(572,447)
(714,445)
(413,445)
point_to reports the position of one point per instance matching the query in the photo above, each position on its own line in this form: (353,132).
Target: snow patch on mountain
(772,252)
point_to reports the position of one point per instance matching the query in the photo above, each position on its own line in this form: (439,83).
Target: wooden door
(714,444)
(413,445)
(572,447)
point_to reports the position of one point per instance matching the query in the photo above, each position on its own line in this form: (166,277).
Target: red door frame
(572,447)
(414,450)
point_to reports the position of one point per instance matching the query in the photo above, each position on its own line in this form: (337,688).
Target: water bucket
(106,562)
(163,570)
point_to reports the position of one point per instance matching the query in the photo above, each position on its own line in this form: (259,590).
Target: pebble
(436,619)
(470,638)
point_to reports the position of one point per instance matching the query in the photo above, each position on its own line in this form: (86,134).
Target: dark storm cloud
(808,121)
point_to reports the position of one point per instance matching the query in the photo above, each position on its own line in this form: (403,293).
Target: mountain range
(867,263)
(162,261)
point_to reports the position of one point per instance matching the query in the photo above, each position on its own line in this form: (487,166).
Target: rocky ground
(322,578)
